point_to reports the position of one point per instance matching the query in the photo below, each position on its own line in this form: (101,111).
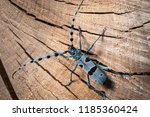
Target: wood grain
(33,28)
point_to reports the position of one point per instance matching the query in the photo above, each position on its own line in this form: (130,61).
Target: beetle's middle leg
(80,35)
(72,71)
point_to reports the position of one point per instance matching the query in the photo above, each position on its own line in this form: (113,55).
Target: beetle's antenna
(72,25)
(39,59)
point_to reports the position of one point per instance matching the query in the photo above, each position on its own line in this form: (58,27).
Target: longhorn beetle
(93,70)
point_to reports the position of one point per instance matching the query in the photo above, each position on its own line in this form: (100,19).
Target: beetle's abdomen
(90,68)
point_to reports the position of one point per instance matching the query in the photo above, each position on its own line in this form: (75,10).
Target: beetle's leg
(102,94)
(70,80)
(88,81)
(80,34)
(70,56)
(91,46)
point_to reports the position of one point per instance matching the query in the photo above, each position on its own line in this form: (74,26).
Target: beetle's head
(75,53)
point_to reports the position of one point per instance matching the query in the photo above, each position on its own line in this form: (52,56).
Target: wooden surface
(33,28)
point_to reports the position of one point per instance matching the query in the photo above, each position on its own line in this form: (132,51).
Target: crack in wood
(111,12)
(118,72)
(66,2)
(136,27)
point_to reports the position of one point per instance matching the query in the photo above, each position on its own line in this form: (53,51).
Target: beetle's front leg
(71,79)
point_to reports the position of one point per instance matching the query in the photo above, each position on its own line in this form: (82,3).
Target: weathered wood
(33,28)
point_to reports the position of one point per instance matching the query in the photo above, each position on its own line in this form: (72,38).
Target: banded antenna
(72,25)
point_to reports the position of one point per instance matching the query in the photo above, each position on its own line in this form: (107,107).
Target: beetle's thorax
(75,53)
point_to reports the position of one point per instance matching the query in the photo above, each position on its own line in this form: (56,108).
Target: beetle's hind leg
(88,81)
(102,94)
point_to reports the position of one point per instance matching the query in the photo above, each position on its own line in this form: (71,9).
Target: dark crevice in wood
(136,27)
(106,13)
(66,2)
(17,6)
(140,73)
(46,71)
(48,23)
(121,73)
(7,82)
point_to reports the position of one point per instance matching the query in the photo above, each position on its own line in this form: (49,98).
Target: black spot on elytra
(81,66)
(73,19)
(92,70)
(87,59)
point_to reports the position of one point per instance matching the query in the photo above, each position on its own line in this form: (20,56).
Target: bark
(33,28)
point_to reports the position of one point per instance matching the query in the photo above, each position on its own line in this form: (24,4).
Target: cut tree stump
(33,28)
